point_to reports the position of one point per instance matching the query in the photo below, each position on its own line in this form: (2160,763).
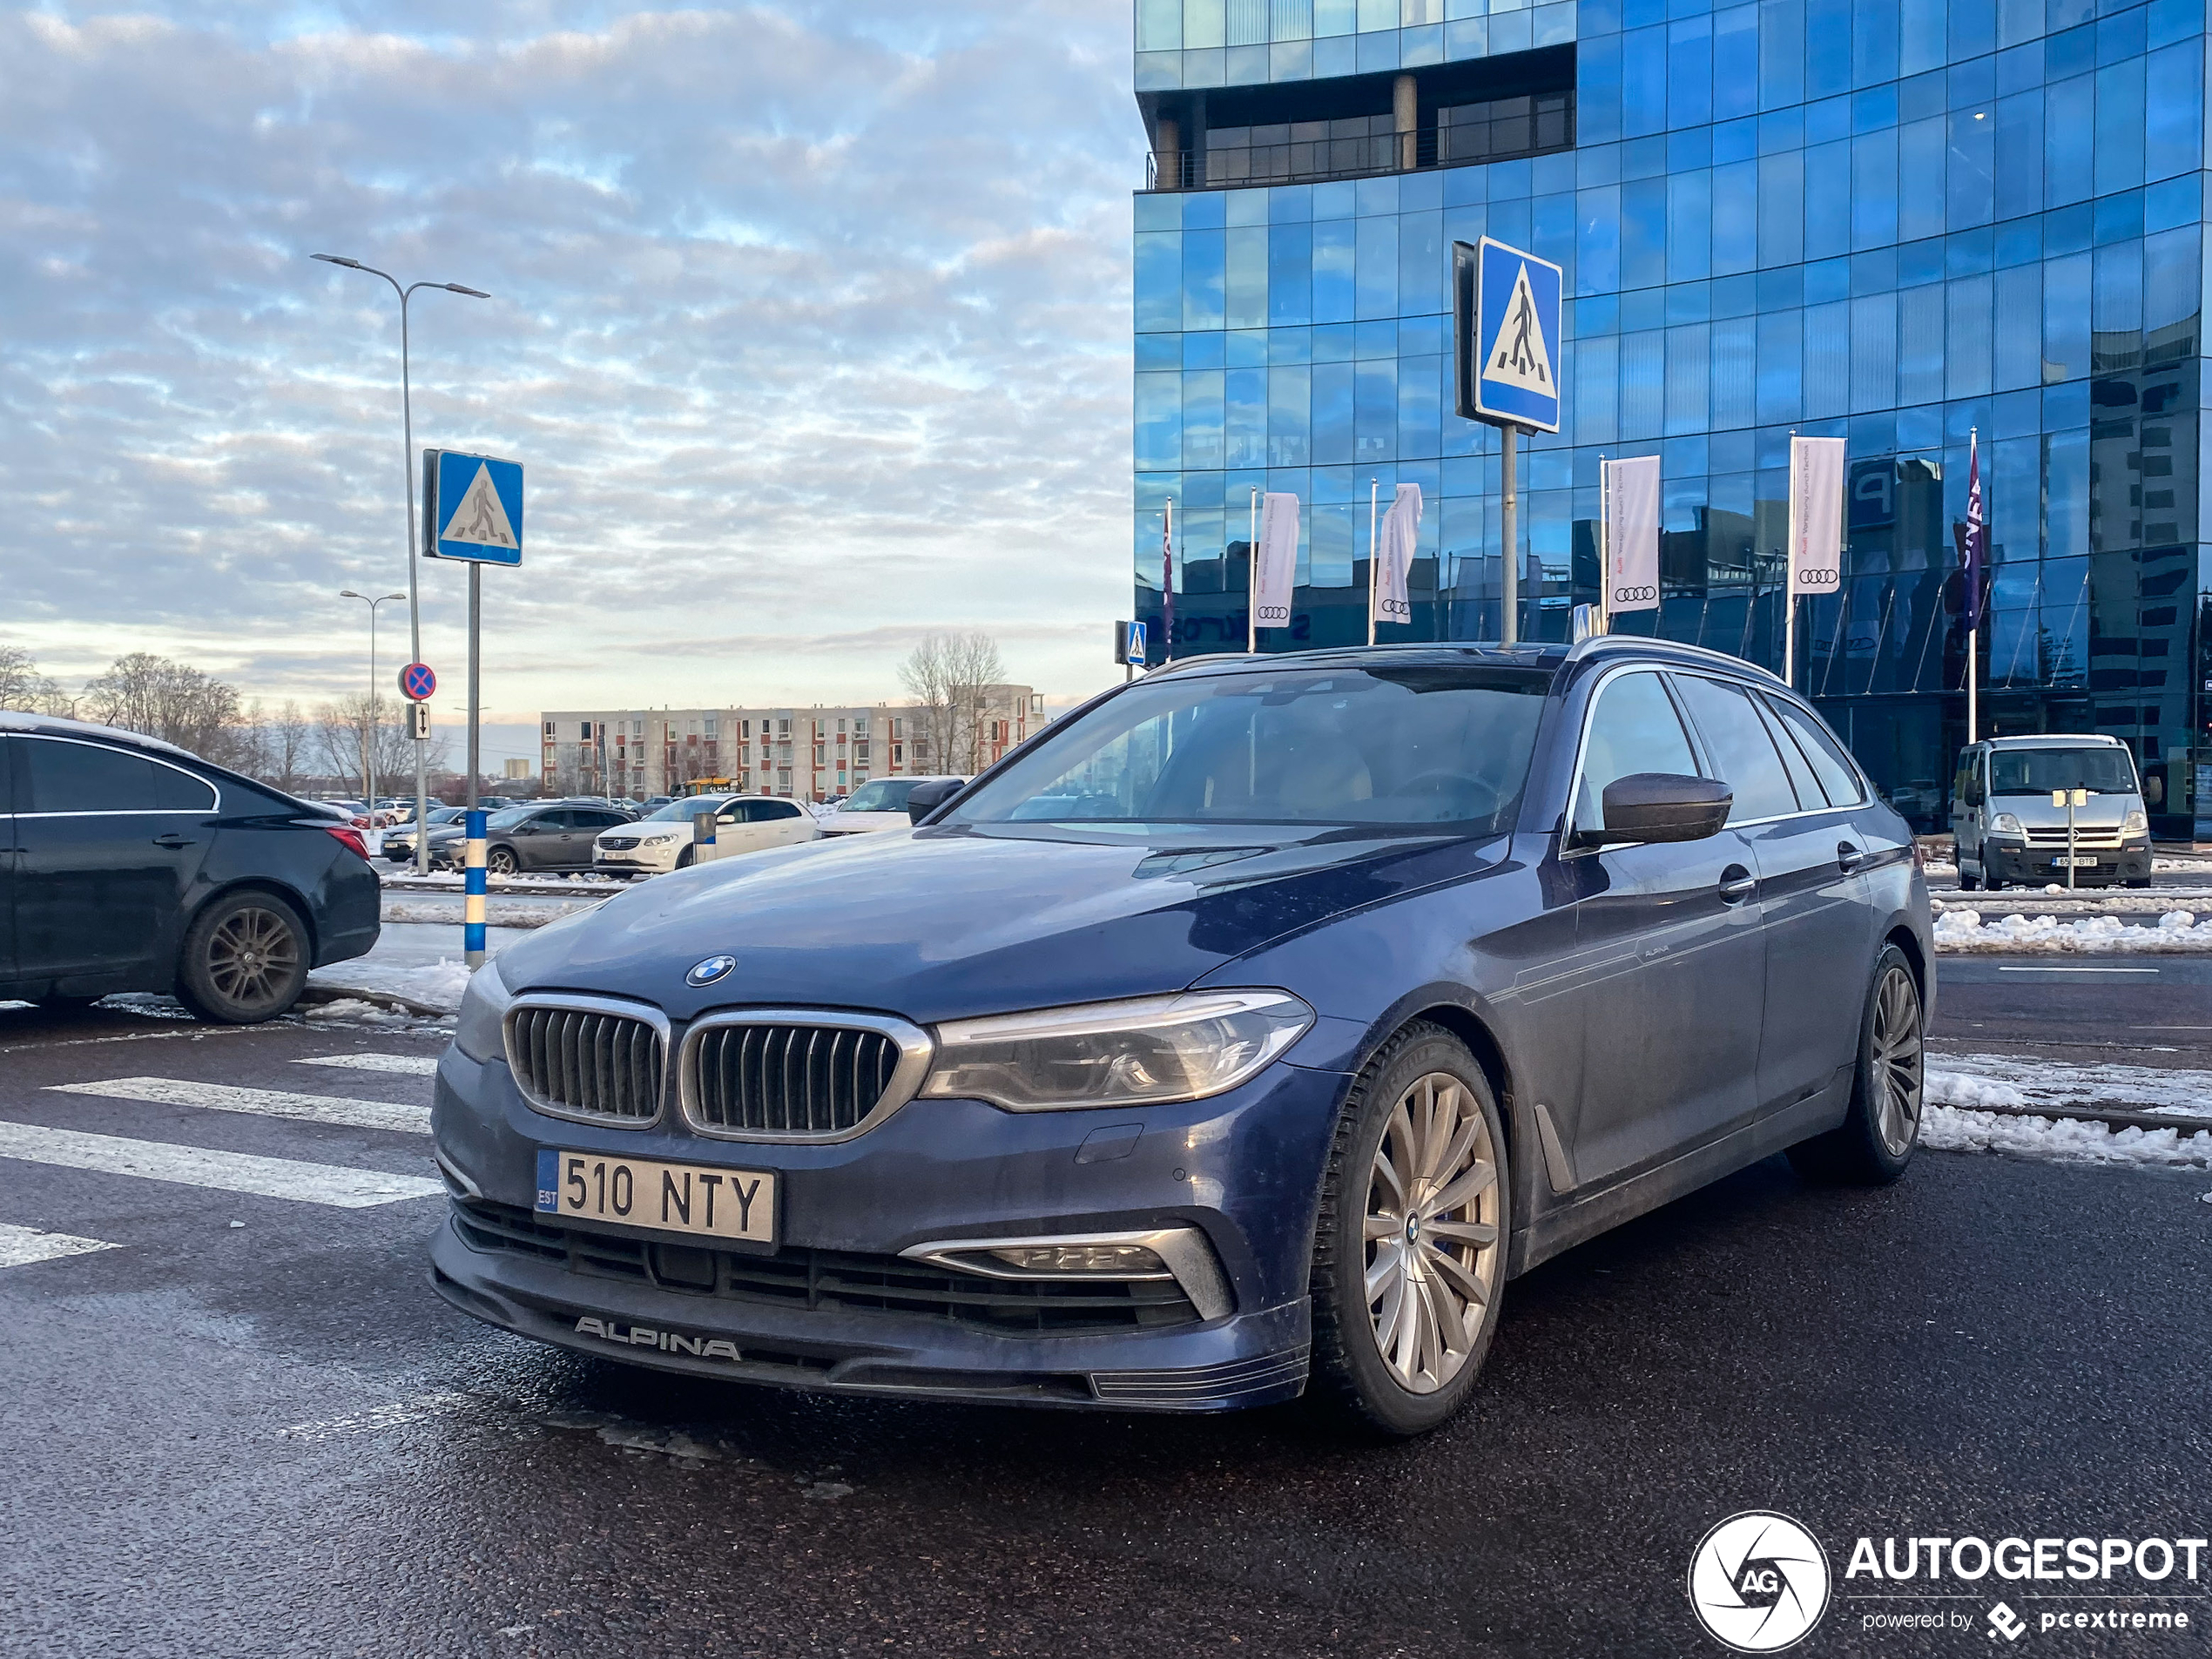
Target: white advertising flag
(1401,528)
(1632,535)
(1816,514)
(1275,576)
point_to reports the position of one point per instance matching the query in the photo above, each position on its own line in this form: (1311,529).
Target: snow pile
(1951,1129)
(1959,1115)
(500,911)
(1965,930)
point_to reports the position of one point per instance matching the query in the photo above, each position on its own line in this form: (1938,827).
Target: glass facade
(1892,221)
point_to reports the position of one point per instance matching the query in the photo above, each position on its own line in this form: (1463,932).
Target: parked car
(1257,1067)
(543,836)
(398,843)
(879,804)
(2008,828)
(138,867)
(663,840)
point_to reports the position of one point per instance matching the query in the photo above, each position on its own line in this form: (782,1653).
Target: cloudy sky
(809,320)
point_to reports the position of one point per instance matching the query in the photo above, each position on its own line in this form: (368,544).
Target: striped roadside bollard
(472,914)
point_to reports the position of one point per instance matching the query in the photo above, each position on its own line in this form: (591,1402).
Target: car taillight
(348,836)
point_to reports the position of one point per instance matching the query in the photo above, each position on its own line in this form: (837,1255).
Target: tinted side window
(767,811)
(175,791)
(1836,778)
(1742,754)
(63,777)
(1801,781)
(1634,729)
(556,819)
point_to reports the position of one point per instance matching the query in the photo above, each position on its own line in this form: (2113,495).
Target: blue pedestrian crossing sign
(1508,336)
(472,508)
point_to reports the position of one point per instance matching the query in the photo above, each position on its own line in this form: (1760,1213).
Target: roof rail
(1613,644)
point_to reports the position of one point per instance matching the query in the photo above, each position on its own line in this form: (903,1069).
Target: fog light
(1123,1261)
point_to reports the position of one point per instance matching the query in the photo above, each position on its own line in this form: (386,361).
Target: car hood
(942,923)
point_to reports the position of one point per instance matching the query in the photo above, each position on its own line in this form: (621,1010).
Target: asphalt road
(270,1438)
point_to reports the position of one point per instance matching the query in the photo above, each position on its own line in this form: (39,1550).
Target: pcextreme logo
(1758,1581)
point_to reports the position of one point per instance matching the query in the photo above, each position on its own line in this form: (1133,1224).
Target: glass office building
(1892,221)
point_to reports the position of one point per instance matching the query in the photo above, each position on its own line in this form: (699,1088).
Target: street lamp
(407,490)
(369,720)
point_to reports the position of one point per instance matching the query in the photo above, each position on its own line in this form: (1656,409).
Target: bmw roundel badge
(712,969)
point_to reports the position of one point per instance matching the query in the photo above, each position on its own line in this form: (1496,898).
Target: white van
(2008,829)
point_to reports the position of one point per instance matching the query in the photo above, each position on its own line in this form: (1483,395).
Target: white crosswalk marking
(20,1246)
(412,1065)
(264,1103)
(225,1171)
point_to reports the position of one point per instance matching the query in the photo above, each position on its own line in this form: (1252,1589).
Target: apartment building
(808,753)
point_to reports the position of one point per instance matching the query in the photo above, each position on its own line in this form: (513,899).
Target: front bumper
(2011,861)
(1243,1167)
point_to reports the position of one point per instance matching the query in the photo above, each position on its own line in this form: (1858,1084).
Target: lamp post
(368,719)
(407,490)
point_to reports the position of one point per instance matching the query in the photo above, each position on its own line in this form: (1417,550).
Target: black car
(1240,1034)
(548,835)
(127,865)
(398,843)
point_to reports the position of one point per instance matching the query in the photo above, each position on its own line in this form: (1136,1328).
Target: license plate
(684,1199)
(2080,861)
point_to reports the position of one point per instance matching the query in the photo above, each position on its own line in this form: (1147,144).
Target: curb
(2109,1118)
(318,994)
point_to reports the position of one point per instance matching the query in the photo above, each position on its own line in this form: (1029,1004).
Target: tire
(1967,883)
(2139,882)
(500,860)
(1373,1373)
(1874,1143)
(244,959)
(687,858)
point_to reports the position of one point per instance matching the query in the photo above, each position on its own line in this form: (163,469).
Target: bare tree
(948,675)
(358,724)
(287,737)
(21,686)
(173,701)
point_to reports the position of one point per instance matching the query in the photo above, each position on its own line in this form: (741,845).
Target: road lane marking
(264,1103)
(20,1246)
(414,1065)
(194,1166)
(2071,969)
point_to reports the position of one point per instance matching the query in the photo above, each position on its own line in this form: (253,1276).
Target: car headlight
(478,1032)
(2003,824)
(1146,1051)
(2136,823)
(661,839)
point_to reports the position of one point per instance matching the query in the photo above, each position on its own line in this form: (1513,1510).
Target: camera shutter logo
(1759,1582)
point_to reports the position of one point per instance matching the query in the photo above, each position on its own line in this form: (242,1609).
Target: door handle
(1849,857)
(1737,884)
(172,840)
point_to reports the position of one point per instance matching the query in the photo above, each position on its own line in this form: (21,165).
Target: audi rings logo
(1815,578)
(1396,608)
(1274,613)
(1628,595)
(1758,1581)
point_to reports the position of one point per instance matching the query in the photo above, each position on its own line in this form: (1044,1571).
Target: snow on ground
(1960,1084)
(1965,930)
(437,984)
(500,910)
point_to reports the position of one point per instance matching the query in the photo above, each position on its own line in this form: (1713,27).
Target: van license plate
(684,1199)
(2079,862)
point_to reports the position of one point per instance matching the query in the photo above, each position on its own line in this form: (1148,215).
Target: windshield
(2101,770)
(683,811)
(884,795)
(1422,745)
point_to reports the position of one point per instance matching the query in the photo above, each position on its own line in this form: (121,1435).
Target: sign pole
(1251,579)
(1374,490)
(1509,524)
(1604,548)
(473,905)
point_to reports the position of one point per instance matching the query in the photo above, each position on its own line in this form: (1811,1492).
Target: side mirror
(924,799)
(1661,806)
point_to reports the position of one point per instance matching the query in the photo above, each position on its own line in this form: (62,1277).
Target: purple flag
(1973,542)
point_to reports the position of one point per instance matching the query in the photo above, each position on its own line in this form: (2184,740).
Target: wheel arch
(258,882)
(1469,1026)
(1909,942)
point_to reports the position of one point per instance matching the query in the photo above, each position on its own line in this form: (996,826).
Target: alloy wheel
(1900,1056)
(252,956)
(1432,1244)
(500,861)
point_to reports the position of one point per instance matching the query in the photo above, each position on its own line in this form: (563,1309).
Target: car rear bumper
(835,1306)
